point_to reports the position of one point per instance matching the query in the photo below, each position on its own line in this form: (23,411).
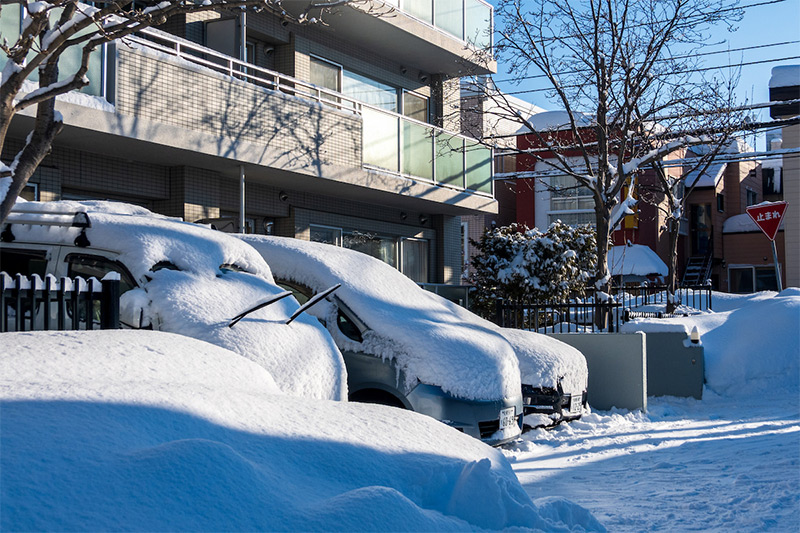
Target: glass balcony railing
(468,20)
(414,149)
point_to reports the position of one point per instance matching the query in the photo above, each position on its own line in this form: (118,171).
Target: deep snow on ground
(729,462)
(151,431)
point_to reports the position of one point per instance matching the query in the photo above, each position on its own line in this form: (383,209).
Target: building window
(30,192)
(383,248)
(752,198)
(414,264)
(327,75)
(721,203)
(326,234)
(415,106)
(746,279)
(570,202)
(409,256)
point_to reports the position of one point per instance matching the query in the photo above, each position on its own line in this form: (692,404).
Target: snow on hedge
(752,348)
(430,338)
(200,298)
(118,430)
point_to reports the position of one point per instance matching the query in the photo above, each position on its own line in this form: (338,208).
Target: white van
(181,278)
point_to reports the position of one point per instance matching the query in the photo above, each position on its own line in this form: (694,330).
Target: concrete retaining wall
(617,365)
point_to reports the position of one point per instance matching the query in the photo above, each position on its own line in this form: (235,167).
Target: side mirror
(131,309)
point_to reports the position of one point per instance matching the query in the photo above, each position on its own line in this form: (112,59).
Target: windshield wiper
(268,301)
(313,301)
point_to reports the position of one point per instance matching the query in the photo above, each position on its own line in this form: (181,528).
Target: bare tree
(626,74)
(50,29)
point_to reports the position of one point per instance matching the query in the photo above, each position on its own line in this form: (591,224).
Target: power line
(725,10)
(535,76)
(704,69)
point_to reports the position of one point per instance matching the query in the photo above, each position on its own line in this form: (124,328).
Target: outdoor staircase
(698,270)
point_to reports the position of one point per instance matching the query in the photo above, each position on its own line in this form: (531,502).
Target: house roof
(709,178)
(554,121)
(635,260)
(785,76)
(743,224)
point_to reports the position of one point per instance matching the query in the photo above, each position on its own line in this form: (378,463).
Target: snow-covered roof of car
(430,338)
(195,296)
(113,430)
(142,238)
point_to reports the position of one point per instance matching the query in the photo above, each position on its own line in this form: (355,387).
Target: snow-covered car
(554,377)
(178,277)
(403,346)
(117,430)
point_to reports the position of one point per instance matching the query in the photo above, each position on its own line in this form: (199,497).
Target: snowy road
(719,464)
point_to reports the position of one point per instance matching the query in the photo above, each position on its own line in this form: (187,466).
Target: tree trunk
(603,277)
(672,276)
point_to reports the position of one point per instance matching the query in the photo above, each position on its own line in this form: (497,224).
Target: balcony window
(381,139)
(417,150)
(422,9)
(369,91)
(479,167)
(478,23)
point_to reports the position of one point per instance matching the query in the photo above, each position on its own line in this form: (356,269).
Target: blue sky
(764,24)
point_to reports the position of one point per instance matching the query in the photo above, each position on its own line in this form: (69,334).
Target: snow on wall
(430,338)
(554,121)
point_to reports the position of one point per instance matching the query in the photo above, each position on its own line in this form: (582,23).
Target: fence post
(3,316)
(109,304)
(498,312)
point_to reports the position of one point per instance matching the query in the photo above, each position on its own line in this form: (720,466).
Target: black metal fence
(593,312)
(33,304)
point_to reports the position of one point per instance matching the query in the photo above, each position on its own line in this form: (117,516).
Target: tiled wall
(165,91)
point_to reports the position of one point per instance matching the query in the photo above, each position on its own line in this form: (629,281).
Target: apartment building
(345,132)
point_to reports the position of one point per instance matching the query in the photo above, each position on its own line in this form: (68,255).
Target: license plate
(575,403)
(507,418)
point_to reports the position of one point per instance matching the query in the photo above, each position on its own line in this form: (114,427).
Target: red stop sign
(768,216)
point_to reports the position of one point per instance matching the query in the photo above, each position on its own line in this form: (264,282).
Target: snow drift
(752,349)
(111,430)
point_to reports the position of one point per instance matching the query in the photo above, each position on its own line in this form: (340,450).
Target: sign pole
(777,267)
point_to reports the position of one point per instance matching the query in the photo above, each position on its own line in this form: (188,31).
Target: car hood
(544,361)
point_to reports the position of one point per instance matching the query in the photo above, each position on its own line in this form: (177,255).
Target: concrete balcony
(451,37)
(179,104)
